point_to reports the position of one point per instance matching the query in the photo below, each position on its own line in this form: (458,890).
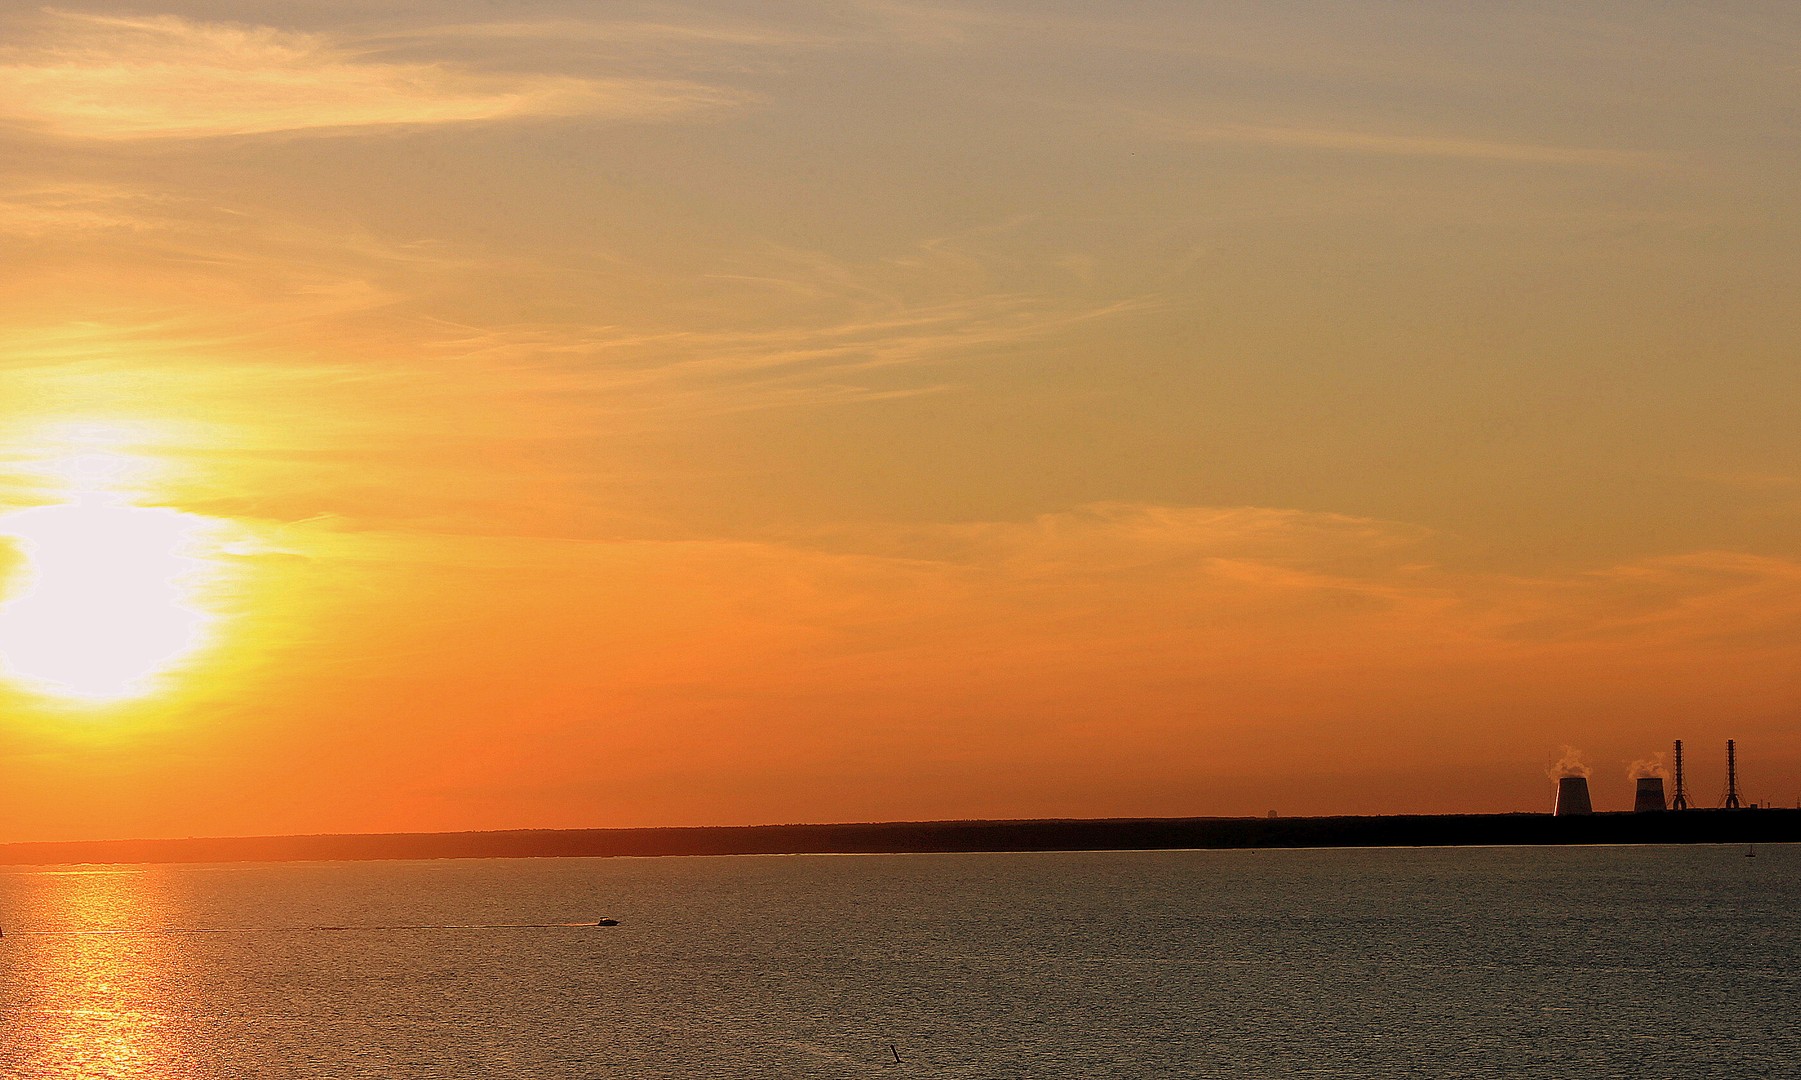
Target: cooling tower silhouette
(1650,795)
(1572,796)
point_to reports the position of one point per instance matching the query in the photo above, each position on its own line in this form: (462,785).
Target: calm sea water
(1590,962)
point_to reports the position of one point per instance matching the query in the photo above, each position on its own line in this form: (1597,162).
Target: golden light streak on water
(97,1004)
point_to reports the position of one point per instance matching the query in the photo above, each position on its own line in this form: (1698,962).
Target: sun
(108,593)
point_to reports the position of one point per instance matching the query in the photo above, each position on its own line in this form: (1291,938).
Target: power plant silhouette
(1572,797)
(1680,800)
(1648,796)
(1731,800)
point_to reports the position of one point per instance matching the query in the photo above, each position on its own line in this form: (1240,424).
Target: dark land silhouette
(894,837)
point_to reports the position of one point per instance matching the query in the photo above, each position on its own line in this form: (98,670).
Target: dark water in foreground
(1588,962)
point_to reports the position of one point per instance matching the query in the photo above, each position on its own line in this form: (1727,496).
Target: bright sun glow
(108,596)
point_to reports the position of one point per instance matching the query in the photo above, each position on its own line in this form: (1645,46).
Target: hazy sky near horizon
(484,415)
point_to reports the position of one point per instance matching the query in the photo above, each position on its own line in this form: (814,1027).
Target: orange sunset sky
(457,415)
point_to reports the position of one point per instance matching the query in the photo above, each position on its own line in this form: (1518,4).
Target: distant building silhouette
(1731,802)
(1649,796)
(1572,797)
(1679,800)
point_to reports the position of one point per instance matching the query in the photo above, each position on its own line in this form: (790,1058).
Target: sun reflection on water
(94,1004)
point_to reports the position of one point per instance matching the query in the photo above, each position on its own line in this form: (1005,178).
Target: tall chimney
(1679,801)
(1572,796)
(1650,795)
(1731,775)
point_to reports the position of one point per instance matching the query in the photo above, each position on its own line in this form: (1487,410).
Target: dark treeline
(1688,827)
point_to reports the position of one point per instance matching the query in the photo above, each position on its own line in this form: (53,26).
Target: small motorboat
(606,922)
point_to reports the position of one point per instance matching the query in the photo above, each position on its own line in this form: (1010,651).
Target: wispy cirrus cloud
(630,34)
(317,339)
(1748,481)
(1238,611)
(778,328)
(63,209)
(95,77)
(732,370)
(1345,140)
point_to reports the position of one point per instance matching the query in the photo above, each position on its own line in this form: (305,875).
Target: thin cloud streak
(63,209)
(230,299)
(95,77)
(630,34)
(1190,594)
(1388,144)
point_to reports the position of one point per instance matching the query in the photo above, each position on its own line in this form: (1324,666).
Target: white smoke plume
(1570,764)
(1651,766)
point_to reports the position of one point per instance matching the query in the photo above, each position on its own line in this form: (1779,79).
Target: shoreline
(1764,825)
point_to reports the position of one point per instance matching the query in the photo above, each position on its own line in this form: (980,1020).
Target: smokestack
(1572,796)
(1731,775)
(1650,795)
(1680,800)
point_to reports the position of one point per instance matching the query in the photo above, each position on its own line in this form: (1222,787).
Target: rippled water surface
(1589,962)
